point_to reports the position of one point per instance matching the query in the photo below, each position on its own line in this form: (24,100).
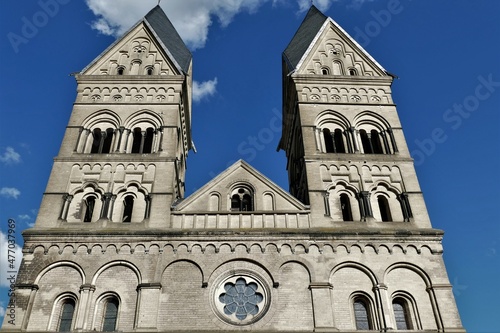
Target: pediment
(136,53)
(216,195)
(334,52)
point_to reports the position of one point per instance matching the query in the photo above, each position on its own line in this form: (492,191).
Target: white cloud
(14,255)
(192,18)
(24,217)
(10,156)
(10,192)
(204,89)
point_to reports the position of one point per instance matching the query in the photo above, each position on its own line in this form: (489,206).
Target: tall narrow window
(138,141)
(128,207)
(68,309)
(365,141)
(345,205)
(110,316)
(353,72)
(107,140)
(89,209)
(385,211)
(362,315)
(338,141)
(328,141)
(325,71)
(376,144)
(235,202)
(401,314)
(96,143)
(120,70)
(148,141)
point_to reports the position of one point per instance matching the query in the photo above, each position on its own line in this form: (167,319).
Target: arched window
(128,207)
(110,315)
(102,141)
(149,71)
(120,70)
(143,141)
(328,141)
(371,142)
(385,211)
(401,314)
(66,320)
(241,200)
(362,314)
(89,205)
(345,206)
(353,71)
(325,71)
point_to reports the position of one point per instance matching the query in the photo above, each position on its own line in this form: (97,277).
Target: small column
(393,140)
(317,135)
(383,307)
(84,303)
(147,212)
(147,310)
(322,306)
(120,135)
(326,200)
(112,207)
(125,140)
(405,206)
(354,139)
(106,205)
(365,207)
(22,291)
(386,143)
(80,130)
(65,206)
(435,309)
(349,142)
(160,146)
(82,143)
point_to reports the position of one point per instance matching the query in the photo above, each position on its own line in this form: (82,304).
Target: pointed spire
(308,29)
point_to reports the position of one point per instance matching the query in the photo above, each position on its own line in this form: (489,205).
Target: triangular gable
(153,40)
(240,173)
(320,37)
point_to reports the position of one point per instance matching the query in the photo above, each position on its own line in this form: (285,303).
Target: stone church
(118,247)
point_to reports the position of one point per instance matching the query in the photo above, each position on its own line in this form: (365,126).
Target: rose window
(241,300)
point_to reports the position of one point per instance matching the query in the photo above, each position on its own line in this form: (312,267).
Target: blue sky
(445,54)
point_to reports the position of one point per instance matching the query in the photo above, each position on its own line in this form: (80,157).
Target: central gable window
(242,199)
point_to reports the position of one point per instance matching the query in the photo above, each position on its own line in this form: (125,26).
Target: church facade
(118,247)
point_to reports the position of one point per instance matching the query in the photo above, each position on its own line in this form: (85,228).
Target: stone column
(383,307)
(120,136)
(354,139)
(84,305)
(322,306)
(326,200)
(65,206)
(80,130)
(365,207)
(393,140)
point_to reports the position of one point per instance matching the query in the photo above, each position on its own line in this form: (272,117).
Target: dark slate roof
(304,36)
(166,32)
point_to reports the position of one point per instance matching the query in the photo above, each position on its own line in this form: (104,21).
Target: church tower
(118,247)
